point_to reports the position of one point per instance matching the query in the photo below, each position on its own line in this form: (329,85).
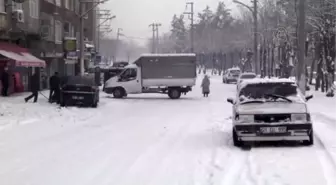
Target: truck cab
(127,82)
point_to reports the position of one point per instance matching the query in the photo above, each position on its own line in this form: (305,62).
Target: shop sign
(70,48)
(71,55)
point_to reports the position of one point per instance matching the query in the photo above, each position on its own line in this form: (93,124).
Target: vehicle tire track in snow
(227,162)
(327,161)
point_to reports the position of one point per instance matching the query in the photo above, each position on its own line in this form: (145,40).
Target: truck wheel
(311,139)
(118,93)
(174,93)
(235,139)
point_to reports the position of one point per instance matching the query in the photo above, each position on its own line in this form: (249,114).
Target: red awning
(21,56)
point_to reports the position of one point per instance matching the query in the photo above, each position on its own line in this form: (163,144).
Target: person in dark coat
(54,83)
(5,82)
(35,87)
(206,86)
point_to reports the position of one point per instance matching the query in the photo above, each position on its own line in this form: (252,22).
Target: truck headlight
(241,118)
(299,117)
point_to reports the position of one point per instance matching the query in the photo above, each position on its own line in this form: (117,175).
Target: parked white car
(245,76)
(270,110)
(231,75)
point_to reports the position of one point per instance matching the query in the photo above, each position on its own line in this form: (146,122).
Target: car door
(130,81)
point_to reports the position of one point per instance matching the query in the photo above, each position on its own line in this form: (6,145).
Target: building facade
(46,29)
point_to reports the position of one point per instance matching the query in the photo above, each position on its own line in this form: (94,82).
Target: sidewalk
(15,111)
(322,105)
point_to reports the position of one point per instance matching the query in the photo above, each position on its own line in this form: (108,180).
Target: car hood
(272,108)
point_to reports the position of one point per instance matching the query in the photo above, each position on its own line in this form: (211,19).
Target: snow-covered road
(152,140)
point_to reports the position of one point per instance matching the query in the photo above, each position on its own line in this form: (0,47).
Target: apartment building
(48,31)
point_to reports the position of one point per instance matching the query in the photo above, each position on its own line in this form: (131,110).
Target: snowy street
(153,140)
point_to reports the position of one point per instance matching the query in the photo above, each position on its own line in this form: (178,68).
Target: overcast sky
(134,16)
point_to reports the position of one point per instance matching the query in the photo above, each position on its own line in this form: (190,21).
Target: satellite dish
(19,1)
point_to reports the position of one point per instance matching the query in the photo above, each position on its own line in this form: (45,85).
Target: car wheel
(311,139)
(118,93)
(174,93)
(236,141)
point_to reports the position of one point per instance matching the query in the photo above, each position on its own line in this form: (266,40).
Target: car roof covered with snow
(265,81)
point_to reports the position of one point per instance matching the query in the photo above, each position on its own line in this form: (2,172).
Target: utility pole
(82,13)
(254,11)
(117,44)
(81,38)
(255,22)
(153,41)
(301,77)
(157,37)
(191,13)
(104,19)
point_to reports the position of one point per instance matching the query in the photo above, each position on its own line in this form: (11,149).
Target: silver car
(270,110)
(231,75)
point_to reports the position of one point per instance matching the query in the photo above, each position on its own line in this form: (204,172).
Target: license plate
(270,130)
(78,97)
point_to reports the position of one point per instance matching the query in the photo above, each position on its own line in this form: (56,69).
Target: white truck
(172,74)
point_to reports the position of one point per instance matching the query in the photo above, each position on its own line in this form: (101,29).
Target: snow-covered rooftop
(265,80)
(168,55)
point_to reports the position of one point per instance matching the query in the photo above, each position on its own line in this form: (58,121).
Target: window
(58,34)
(128,75)
(34,9)
(17,6)
(69,30)
(2,5)
(67,4)
(85,8)
(72,4)
(77,6)
(58,2)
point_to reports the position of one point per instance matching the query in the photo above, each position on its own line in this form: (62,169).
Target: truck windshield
(128,73)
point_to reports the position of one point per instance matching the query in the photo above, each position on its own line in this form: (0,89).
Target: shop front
(21,64)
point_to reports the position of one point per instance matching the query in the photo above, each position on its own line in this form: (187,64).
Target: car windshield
(269,91)
(80,80)
(248,76)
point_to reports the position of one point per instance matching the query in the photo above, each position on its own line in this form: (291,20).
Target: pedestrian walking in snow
(5,82)
(35,87)
(205,86)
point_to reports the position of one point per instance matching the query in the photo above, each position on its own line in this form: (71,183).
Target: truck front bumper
(294,132)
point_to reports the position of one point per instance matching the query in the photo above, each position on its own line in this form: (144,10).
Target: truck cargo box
(167,66)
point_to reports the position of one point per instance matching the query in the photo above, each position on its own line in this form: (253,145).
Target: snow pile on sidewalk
(14,111)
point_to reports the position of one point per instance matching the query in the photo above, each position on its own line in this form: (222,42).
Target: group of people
(54,83)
